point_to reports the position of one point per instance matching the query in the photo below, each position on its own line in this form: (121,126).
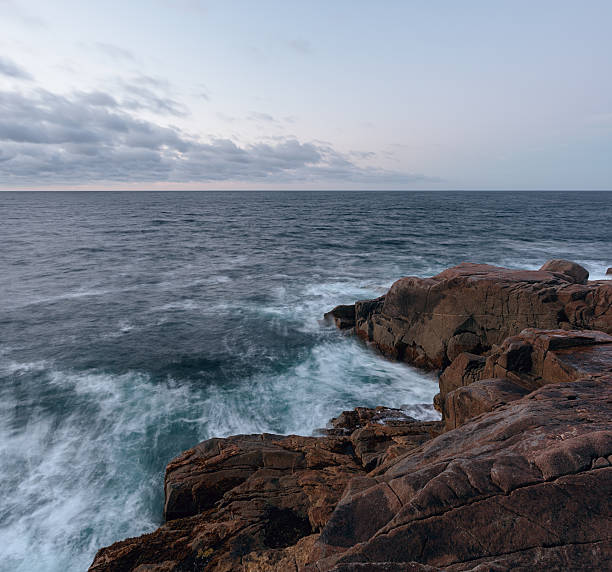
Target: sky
(233,94)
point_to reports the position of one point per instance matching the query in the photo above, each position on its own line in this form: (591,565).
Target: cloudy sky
(231,94)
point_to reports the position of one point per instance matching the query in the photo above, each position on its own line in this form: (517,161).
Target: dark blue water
(133,325)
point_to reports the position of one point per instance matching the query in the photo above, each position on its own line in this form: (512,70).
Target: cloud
(140,97)
(90,137)
(10,69)
(362,154)
(114,52)
(145,92)
(261,117)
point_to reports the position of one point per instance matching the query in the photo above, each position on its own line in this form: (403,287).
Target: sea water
(134,325)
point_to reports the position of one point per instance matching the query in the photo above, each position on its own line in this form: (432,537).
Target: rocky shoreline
(517,475)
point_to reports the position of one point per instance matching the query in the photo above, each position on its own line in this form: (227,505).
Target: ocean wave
(86,464)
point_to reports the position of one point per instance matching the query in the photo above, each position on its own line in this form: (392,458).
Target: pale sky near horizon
(195,94)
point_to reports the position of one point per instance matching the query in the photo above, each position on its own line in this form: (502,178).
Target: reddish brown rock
(465,369)
(471,307)
(249,494)
(343,316)
(523,476)
(480,397)
(573,271)
(349,421)
(376,444)
(256,502)
(536,357)
(382,433)
(524,363)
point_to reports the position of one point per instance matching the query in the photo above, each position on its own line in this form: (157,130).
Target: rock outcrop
(528,482)
(517,476)
(428,322)
(245,502)
(524,363)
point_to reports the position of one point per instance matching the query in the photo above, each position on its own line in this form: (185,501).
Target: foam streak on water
(136,325)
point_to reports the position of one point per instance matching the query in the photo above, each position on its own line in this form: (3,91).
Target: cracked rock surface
(472,307)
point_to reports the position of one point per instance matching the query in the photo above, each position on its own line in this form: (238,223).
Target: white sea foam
(76,479)
(85,479)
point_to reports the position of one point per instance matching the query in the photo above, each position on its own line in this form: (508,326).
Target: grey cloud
(266,117)
(226,118)
(145,92)
(143,98)
(85,138)
(114,52)
(97,98)
(362,154)
(202,91)
(10,69)
(154,82)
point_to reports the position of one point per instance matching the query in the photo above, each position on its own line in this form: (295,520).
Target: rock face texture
(469,308)
(521,364)
(253,502)
(534,473)
(517,476)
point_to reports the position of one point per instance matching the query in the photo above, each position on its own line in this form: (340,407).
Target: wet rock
(343,316)
(228,498)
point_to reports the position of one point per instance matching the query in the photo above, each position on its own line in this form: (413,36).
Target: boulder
(537,357)
(247,494)
(465,369)
(577,273)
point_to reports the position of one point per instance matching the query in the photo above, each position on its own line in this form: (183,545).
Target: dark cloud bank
(85,138)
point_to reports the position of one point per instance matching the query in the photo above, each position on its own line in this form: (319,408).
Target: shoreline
(525,359)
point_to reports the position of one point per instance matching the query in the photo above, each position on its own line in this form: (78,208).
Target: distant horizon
(305,190)
(350,95)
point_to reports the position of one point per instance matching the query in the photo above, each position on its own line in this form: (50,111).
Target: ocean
(134,325)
